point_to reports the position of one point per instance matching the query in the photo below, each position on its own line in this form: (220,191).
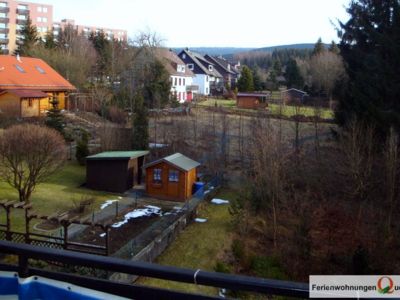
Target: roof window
(19,68)
(40,70)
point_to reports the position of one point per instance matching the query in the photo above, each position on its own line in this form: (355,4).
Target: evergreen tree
(29,39)
(293,75)
(103,48)
(319,47)
(370,43)
(258,84)
(50,40)
(54,118)
(140,134)
(157,86)
(334,48)
(277,67)
(245,82)
(82,149)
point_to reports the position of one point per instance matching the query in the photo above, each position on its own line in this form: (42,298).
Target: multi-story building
(112,34)
(14,14)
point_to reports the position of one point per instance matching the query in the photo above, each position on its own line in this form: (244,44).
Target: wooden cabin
(293,96)
(252,100)
(29,85)
(115,171)
(171,177)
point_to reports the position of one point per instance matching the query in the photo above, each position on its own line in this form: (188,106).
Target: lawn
(57,194)
(199,246)
(287,110)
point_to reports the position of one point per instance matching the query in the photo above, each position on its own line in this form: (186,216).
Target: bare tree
(326,69)
(102,97)
(29,154)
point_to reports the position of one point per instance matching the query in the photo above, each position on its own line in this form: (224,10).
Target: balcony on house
(4,20)
(4,9)
(4,30)
(21,21)
(23,11)
(3,41)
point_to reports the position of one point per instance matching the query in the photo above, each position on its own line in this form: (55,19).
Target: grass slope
(57,194)
(199,246)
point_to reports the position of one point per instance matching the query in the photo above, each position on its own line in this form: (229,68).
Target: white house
(182,84)
(207,78)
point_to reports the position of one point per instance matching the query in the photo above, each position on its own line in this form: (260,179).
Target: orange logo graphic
(385,285)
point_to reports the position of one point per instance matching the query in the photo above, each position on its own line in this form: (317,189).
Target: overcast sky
(212,23)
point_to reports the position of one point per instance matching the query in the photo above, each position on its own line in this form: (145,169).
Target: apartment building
(112,34)
(14,14)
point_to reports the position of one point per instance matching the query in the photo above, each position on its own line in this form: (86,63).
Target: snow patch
(103,234)
(219,201)
(107,203)
(138,213)
(200,220)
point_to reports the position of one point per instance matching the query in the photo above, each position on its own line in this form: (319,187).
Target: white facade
(203,81)
(179,86)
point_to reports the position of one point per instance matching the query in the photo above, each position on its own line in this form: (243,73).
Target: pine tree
(370,43)
(29,39)
(318,47)
(54,118)
(293,75)
(82,148)
(50,40)
(140,135)
(334,48)
(245,82)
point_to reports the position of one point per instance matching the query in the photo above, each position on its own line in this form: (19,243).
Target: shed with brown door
(252,100)
(171,177)
(114,171)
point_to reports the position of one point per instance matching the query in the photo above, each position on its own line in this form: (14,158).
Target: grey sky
(234,23)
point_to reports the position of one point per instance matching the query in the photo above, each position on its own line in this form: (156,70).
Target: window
(183,55)
(183,81)
(173,176)
(45,9)
(3,36)
(21,17)
(44,29)
(40,70)
(210,68)
(3,25)
(30,102)
(39,9)
(190,66)
(22,7)
(3,4)
(206,78)
(175,81)
(157,175)
(19,68)
(180,82)
(3,15)
(44,20)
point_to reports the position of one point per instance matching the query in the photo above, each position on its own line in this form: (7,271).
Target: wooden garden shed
(171,177)
(114,171)
(252,100)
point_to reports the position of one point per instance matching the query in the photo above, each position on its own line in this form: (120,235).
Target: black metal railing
(26,253)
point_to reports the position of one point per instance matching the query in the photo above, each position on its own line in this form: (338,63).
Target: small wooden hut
(171,177)
(114,171)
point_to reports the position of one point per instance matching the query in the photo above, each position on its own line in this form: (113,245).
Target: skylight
(40,70)
(19,68)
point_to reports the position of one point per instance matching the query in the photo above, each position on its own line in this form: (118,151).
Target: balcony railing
(4,51)
(4,41)
(64,258)
(21,22)
(22,11)
(4,30)
(4,20)
(4,9)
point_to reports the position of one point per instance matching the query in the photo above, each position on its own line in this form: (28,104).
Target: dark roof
(222,62)
(201,62)
(178,160)
(26,93)
(117,155)
(30,73)
(295,91)
(170,61)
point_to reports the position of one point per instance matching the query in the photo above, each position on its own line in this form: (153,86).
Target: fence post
(107,229)
(23,270)
(27,222)
(8,221)
(65,227)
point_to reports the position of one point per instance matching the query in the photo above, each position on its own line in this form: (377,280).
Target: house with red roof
(29,85)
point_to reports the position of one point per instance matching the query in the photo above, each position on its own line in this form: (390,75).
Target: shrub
(222,267)
(238,249)
(117,115)
(267,267)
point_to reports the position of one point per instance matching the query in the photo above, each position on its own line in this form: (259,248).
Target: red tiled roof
(26,93)
(30,73)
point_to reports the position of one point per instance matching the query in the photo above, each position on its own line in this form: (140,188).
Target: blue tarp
(41,288)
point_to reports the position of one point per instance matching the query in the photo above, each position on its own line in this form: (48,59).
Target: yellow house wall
(9,104)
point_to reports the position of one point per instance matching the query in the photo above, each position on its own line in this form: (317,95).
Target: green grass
(287,110)
(55,195)
(199,246)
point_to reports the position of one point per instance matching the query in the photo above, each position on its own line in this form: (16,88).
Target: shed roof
(178,160)
(117,155)
(26,93)
(253,95)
